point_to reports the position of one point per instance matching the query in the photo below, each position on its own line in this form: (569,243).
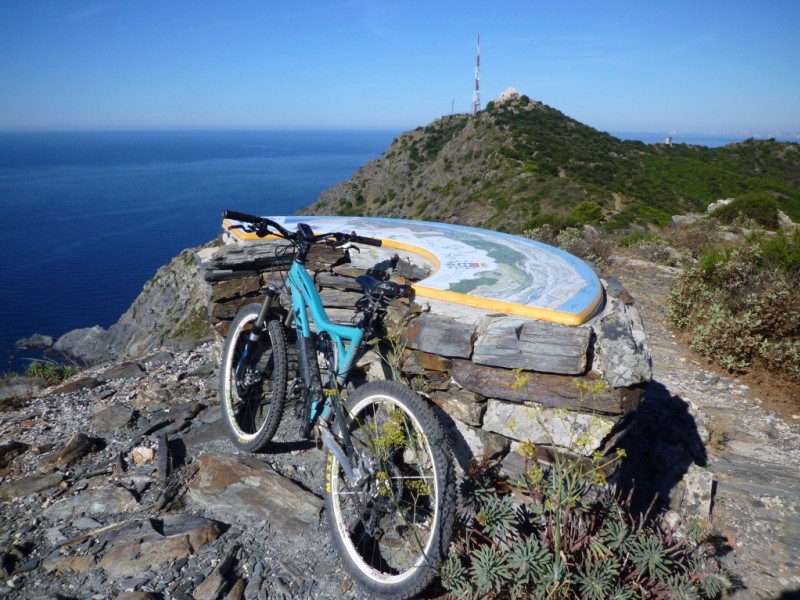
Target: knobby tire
(392,529)
(252,409)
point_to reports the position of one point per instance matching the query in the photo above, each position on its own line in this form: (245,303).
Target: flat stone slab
(244,489)
(100,498)
(578,432)
(112,417)
(132,547)
(155,542)
(27,486)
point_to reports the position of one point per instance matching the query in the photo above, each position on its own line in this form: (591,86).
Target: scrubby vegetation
(758,208)
(560,532)
(736,299)
(521,164)
(739,304)
(554,534)
(52,372)
(586,244)
(194,326)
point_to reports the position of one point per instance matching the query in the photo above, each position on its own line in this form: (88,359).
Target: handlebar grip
(240,216)
(367,241)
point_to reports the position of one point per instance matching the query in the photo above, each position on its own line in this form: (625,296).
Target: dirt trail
(753,453)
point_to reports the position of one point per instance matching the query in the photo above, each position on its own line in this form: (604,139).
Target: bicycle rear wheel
(252,403)
(392,526)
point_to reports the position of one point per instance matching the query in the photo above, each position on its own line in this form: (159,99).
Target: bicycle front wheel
(391,525)
(253,401)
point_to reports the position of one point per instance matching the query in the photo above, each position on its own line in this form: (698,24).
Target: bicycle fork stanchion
(255,334)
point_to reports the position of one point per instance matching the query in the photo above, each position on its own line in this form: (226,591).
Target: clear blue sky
(699,66)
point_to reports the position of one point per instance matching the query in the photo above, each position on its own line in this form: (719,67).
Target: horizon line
(625,135)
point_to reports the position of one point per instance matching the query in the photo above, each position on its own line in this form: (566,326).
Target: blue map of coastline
(88,217)
(498,266)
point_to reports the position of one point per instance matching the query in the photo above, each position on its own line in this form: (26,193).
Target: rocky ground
(750,446)
(121,483)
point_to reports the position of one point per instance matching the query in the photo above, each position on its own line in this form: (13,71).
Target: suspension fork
(254,337)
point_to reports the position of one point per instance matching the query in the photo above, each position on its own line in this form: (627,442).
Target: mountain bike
(389,488)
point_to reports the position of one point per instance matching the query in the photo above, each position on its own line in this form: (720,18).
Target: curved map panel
(479,268)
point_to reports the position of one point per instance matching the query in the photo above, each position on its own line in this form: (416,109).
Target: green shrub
(651,214)
(50,371)
(554,221)
(758,207)
(588,211)
(782,250)
(348,210)
(558,533)
(739,307)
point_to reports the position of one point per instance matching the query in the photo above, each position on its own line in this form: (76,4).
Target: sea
(86,218)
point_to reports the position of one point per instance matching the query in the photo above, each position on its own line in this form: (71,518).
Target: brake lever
(349,246)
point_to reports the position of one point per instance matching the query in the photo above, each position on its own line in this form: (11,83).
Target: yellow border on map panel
(511,308)
(489,304)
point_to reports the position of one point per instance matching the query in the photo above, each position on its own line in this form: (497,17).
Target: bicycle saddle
(388,290)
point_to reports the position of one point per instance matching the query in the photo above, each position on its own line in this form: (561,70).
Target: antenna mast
(476,95)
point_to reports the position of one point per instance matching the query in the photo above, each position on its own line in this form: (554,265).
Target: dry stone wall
(499,380)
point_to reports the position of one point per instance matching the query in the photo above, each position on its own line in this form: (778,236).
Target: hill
(519,164)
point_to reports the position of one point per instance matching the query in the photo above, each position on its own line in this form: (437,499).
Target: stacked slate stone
(499,380)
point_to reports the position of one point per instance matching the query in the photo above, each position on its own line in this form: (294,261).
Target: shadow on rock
(275,447)
(662,445)
(791,595)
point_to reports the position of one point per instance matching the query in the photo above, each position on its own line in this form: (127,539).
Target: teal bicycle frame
(348,340)
(338,344)
(305,296)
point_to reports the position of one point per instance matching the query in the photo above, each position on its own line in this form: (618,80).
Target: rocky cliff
(170,311)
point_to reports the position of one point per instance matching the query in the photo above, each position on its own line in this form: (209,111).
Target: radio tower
(476,95)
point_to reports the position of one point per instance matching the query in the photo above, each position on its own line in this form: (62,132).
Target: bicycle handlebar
(239,216)
(261,222)
(367,241)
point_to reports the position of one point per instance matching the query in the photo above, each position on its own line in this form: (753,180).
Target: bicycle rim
(389,526)
(254,403)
